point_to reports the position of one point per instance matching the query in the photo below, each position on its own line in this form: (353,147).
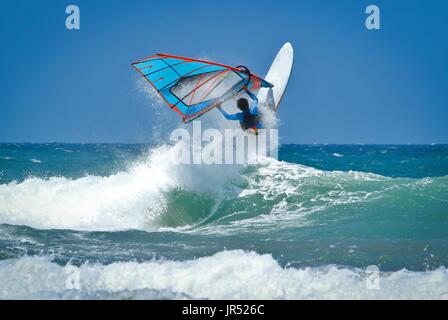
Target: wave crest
(225,275)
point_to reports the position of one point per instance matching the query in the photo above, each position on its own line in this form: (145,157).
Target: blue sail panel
(191,87)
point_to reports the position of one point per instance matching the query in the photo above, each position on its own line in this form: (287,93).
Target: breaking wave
(226,275)
(154,194)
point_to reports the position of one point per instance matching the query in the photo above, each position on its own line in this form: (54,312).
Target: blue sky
(349,84)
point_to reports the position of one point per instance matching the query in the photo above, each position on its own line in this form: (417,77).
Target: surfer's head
(243,104)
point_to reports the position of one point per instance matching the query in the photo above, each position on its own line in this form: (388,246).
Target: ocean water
(93,221)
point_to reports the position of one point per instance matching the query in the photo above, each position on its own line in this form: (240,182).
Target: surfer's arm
(254,107)
(235,116)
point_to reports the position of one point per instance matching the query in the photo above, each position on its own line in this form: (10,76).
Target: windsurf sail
(191,87)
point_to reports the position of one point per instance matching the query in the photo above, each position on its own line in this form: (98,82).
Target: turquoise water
(305,226)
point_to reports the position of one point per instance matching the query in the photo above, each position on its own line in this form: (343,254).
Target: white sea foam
(136,198)
(337,155)
(294,194)
(89,203)
(130,199)
(64,150)
(225,275)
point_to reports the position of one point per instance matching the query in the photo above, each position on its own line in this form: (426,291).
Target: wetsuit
(249,119)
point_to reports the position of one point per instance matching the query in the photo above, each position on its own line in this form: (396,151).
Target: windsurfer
(249,117)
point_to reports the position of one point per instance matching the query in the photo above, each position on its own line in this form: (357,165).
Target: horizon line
(289,143)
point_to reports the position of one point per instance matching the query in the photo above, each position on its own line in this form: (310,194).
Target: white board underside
(278,74)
